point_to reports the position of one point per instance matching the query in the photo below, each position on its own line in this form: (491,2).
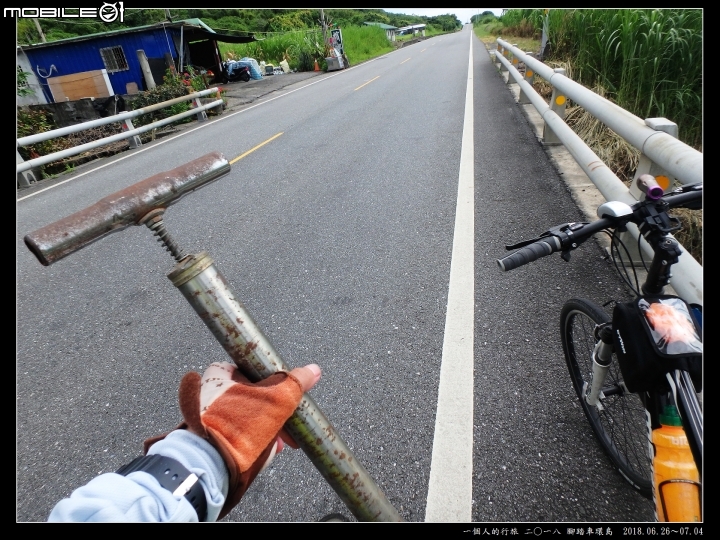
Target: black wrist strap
(173,477)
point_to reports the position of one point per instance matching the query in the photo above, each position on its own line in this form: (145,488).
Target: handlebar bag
(654,335)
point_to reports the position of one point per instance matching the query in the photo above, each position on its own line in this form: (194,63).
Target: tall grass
(301,48)
(364,42)
(523,22)
(649,60)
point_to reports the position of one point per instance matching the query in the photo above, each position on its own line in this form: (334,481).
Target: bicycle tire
(620,425)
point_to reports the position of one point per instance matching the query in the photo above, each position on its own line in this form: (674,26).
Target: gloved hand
(242,420)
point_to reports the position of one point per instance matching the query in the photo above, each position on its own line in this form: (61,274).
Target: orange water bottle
(677,482)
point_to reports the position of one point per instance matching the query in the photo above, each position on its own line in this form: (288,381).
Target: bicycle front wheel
(619,420)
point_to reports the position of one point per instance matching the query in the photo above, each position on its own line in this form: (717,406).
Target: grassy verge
(301,48)
(489,32)
(365,42)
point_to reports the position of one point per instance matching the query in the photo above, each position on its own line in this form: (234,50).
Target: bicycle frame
(682,390)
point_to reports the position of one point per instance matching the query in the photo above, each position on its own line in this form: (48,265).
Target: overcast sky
(463,14)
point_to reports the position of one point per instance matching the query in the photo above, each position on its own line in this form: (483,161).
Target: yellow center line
(371,80)
(253,149)
(405,60)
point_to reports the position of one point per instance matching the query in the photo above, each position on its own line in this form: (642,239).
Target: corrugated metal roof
(413,27)
(193,29)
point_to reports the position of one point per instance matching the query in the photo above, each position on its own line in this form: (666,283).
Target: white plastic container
(333,64)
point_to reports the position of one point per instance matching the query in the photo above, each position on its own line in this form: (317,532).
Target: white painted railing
(662,154)
(129,132)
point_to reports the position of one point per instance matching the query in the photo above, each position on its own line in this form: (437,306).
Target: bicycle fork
(602,357)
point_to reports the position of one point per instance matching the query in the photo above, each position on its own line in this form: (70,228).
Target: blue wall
(76,57)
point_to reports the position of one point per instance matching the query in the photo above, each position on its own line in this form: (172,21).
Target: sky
(463,14)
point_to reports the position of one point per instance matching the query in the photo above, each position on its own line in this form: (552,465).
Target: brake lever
(687,187)
(524,243)
(562,232)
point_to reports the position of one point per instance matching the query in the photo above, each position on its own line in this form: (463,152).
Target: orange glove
(241,419)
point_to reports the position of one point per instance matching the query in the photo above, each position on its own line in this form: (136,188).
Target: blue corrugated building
(181,43)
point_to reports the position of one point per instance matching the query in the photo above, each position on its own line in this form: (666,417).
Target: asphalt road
(337,235)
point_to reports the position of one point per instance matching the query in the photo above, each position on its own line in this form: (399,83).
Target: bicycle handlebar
(563,238)
(571,235)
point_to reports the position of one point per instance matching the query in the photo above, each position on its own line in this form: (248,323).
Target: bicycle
(629,371)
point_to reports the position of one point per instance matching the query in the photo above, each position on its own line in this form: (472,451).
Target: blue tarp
(251,63)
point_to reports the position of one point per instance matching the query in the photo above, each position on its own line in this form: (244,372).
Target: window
(114,59)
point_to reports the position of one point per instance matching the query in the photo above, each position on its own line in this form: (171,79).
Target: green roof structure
(381,25)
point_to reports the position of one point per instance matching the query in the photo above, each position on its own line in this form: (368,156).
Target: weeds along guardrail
(23,168)
(661,153)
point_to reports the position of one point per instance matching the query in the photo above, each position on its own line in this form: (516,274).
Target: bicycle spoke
(627,435)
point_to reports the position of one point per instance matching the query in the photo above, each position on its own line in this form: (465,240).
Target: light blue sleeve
(140,497)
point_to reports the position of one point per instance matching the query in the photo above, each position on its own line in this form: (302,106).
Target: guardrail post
(134,141)
(202,115)
(648,166)
(557,104)
(529,78)
(25,178)
(504,52)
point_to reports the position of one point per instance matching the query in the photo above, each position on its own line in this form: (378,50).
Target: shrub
(172,87)
(34,120)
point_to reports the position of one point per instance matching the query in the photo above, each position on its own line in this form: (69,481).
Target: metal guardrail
(661,152)
(129,131)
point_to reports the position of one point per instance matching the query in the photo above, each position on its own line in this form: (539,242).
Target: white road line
(450,488)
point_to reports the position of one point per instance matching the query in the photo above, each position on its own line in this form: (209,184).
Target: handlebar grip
(529,253)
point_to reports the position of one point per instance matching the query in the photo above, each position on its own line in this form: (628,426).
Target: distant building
(389,30)
(413,29)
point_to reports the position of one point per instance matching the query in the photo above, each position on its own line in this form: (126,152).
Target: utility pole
(324,31)
(543,44)
(37,25)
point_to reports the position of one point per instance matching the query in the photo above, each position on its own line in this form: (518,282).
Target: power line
(304,30)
